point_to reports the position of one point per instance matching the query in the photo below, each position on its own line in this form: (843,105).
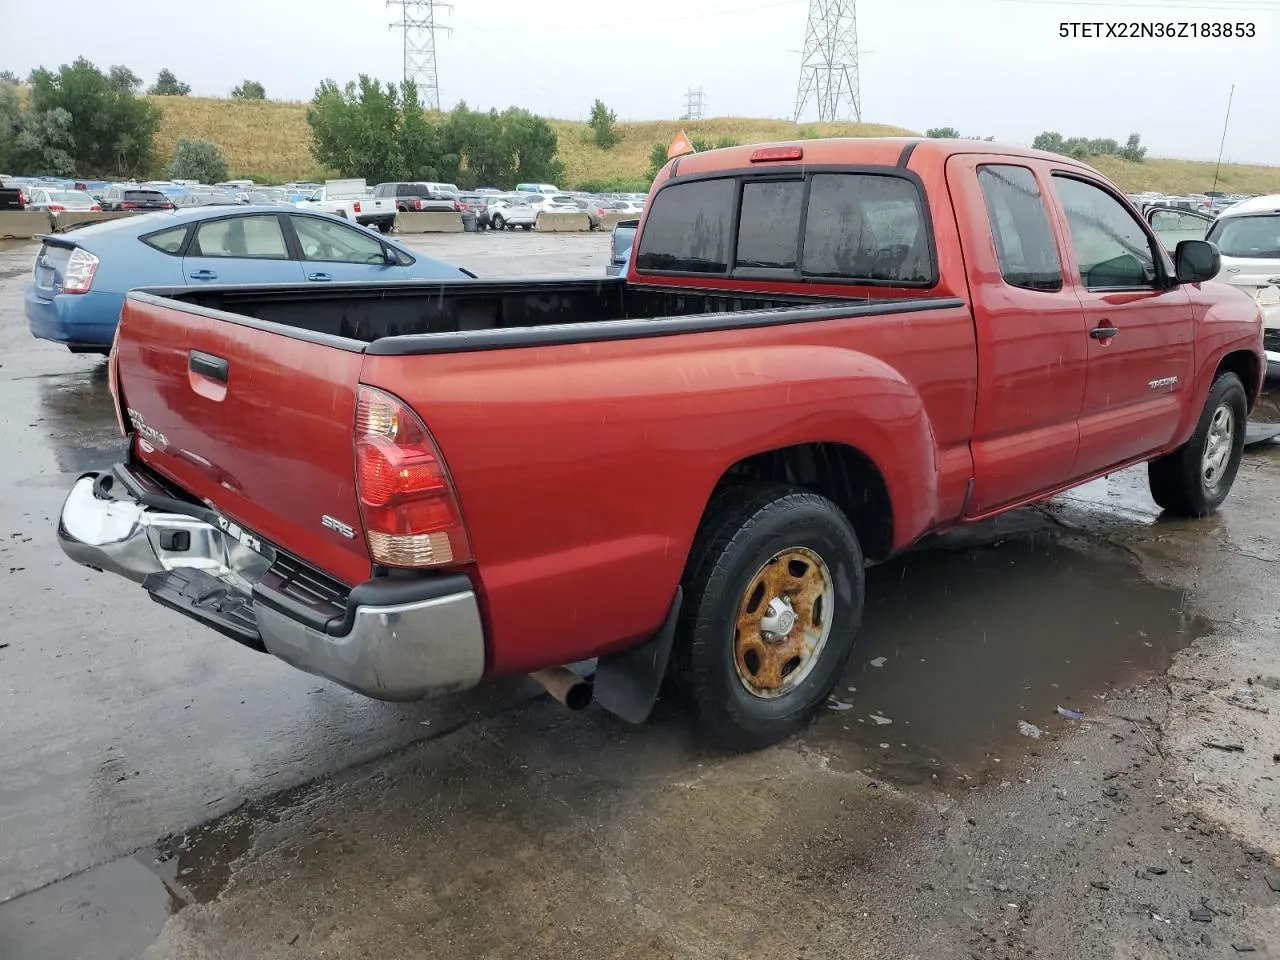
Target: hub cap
(783,623)
(1217,447)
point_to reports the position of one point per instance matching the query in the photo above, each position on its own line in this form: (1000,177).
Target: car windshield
(1256,237)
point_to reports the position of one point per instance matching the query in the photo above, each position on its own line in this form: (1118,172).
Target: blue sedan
(80,277)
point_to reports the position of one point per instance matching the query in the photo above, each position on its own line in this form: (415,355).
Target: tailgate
(257,424)
(51,265)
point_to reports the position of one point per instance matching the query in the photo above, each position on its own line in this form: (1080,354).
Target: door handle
(203,275)
(1103,333)
(207,365)
(319,276)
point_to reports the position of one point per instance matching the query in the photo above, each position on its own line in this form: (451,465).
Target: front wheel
(498,221)
(1195,479)
(773,598)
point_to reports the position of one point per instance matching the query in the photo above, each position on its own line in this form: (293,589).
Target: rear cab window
(839,227)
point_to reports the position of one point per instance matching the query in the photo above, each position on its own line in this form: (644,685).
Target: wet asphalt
(165,791)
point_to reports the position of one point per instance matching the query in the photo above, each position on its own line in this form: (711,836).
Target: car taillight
(96,207)
(126,205)
(113,386)
(417,203)
(56,208)
(407,501)
(77,276)
(356,206)
(166,206)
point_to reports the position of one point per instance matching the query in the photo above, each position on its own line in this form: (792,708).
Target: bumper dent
(418,643)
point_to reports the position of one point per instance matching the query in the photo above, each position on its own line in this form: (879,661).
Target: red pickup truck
(819,353)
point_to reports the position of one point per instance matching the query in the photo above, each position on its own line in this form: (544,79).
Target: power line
(418,22)
(694,104)
(829,62)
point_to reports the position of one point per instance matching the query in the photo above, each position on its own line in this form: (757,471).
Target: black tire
(744,529)
(385,226)
(526,226)
(498,221)
(1181,482)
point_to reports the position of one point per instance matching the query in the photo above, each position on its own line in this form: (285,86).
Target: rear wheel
(385,226)
(498,221)
(1195,479)
(526,226)
(773,597)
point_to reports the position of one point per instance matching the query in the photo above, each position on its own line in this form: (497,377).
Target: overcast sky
(987,67)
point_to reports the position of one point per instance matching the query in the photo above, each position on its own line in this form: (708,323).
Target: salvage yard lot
(163,790)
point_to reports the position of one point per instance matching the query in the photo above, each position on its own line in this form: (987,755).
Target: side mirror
(390,257)
(1196,261)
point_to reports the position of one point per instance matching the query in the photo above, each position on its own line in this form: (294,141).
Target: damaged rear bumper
(390,639)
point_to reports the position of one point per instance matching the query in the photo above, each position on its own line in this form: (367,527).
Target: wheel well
(1245,366)
(844,475)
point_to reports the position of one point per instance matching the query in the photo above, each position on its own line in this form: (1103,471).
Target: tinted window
(170,241)
(136,195)
(689,228)
(1020,227)
(769,225)
(1111,247)
(256,237)
(1248,236)
(866,227)
(326,240)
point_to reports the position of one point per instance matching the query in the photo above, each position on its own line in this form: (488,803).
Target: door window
(258,238)
(336,242)
(1174,226)
(1024,240)
(1111,247)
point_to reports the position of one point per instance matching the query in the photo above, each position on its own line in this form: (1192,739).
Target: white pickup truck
(352,199)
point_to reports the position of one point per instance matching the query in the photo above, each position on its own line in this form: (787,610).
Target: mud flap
(627,683)
(207,600)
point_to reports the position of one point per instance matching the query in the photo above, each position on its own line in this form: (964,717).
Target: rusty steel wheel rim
(784,620)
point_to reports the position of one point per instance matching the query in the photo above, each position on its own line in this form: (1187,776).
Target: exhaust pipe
(565,685)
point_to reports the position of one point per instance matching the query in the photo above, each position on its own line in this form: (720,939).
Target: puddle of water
(77,420)
(978,638)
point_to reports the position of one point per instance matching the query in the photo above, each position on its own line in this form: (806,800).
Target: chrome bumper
(425,640)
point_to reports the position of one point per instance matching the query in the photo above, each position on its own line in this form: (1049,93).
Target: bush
(249,90)
(167,85)
(601,124)
(1082,148)
(613,185)
(198,160)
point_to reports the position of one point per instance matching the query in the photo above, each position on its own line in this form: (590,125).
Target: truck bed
(454,316)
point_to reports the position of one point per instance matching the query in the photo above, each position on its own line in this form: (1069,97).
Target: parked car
(259,197)
(124,197)
(511,211)
(594,208)
(61,201)
(546,188)
(79,279)
(630,206)
(624,234)
(205,198)
(1247,235)
(350,200)
(821,351)
(415,197)
(12,196)
(479,205)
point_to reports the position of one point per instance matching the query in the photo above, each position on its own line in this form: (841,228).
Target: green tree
(601,124)
(1133,149)
(942,133)
(658,152)
(1049,141)
(114,130)
(483,145)
(534,144)
(198,160)
(249,90)
(45,146)
(8,76)
(124,79)
(355,130)
(421,142)
(168,85)
(10,125)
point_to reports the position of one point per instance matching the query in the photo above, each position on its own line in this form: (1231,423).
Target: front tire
(1195,479)
(773,598)
(498,221)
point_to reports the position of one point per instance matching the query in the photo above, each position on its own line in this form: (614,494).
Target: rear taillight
(356,206)
(113,386)
(96,207)
(417,203)
(56,208)
(166,206)
(407,501)
(77,275)
(126,205)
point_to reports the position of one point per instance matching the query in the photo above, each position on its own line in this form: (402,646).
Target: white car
(511,212)
(351,199)
(61,201)
(1248,237)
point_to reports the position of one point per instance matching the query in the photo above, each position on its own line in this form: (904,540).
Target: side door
(1171,226)
(1141,326)
(240,249)
(1031,333)
(335,252)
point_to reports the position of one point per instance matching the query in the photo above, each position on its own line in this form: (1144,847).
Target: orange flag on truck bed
(680,146)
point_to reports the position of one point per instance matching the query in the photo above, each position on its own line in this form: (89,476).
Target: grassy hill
(269,141)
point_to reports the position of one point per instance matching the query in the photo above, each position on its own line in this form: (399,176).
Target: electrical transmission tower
(829,63)
(418,21)
(693,104)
